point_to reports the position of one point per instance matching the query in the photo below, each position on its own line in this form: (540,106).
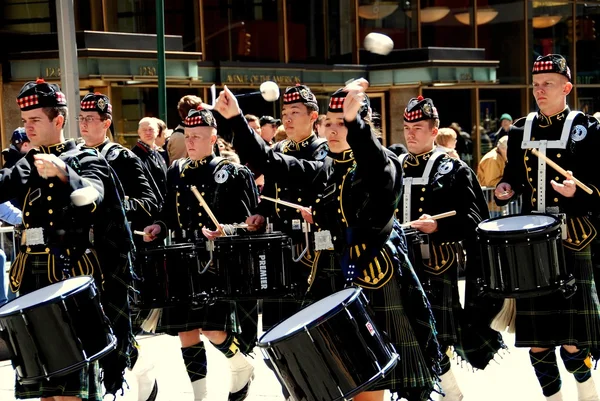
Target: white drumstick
(282,202)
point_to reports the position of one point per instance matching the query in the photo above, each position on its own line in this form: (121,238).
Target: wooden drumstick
(434,217)
(282,202)
(562,171)
(136,232)
(207,209)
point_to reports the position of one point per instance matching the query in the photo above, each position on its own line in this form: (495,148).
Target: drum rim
(163,248)
(322,319)
(257,237)
(553,225)
(67,294)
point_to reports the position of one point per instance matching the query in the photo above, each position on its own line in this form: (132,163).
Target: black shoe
(154,393)
(243,393)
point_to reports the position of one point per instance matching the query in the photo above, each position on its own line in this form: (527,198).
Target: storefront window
(588,44)
(549,22)
(30,16)
(306,36)
(242,30)
(397,19)
(588,100)
(447,23)
(503,37)
(134,16)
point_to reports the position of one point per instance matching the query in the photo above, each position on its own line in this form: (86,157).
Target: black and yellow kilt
(551,320)
(33,270)
(401,310)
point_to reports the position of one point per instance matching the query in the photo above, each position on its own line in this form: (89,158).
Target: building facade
(472,57)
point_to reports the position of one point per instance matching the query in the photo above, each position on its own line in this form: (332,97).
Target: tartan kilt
(442,292)
(221,316)
(28,273)
(402,311)
(551,320)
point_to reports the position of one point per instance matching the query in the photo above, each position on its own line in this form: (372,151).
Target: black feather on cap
(551,63)
(336,103)
(300,94)
(96,102)
(419,109)
(200,117)
(38,94)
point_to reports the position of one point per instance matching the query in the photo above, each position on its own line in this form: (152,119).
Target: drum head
(45,294)
(517,223)
(308,315)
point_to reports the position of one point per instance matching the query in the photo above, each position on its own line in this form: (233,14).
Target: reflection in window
(447,24)
(393,18)
(306,39)
(31,16)
(242,30)
(588,45)
(549,27)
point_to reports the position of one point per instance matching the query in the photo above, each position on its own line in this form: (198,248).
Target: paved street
(509,378)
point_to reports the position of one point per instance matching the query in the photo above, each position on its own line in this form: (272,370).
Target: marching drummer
(65,192)
(231,194)
(434,183)
(300,111)
(140,202)
(359,245)
(570,139)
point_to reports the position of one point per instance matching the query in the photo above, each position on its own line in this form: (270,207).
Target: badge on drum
(221,176)
(445,167)
(323,240)
(579,133)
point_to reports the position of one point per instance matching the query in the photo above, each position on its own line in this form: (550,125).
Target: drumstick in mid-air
(207,209)
(562,171)
(434,217)
(282,202)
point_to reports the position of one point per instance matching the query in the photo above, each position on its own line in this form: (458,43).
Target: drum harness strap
(408,182)
(542,145)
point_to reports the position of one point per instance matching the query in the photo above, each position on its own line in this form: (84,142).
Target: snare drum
(522,257)
(169,276)
(56,330)
(330,350)
(253,266)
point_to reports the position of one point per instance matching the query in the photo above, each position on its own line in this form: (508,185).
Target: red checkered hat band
(291,97)
(543,66)
(88,105)
(193,121)
(28,101)
(414,115)
(336,103)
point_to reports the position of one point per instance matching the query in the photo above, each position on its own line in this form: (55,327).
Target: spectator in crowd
(505,124)
(320,126)
(176,143)
(161,140)
(268,128)
(445,141)
(485,142)
(491,166)
(253,122)
(224,146)
(398,149)
(464,144)
(19,146)
(11,215)
(145,149)
(280,135)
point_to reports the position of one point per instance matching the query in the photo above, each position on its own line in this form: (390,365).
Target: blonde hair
(445,136)
(280,134)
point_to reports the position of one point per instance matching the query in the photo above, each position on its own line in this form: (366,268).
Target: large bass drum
(522,257)
(330,350)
